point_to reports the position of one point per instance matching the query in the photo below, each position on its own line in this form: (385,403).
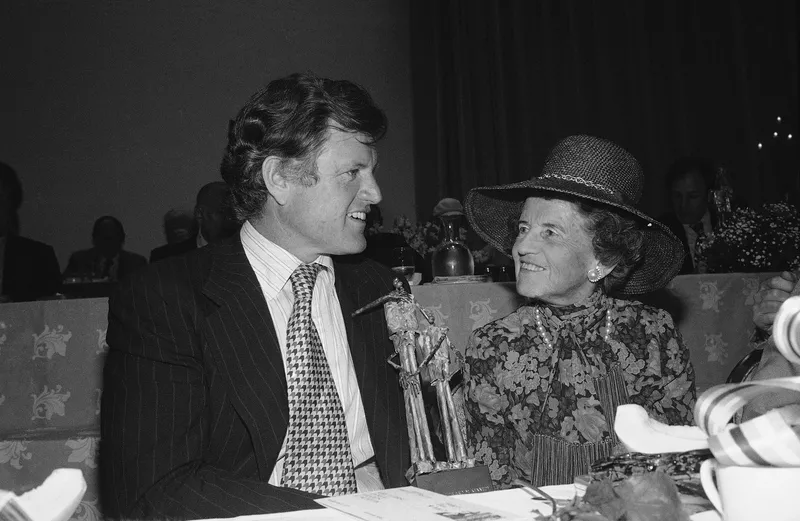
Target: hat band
(582,181)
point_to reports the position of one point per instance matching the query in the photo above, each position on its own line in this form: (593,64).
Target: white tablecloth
(514,501)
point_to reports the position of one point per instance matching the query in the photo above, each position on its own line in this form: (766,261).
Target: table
(51,357)
(713,313)
(516,502)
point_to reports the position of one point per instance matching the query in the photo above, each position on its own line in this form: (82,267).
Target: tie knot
(303,279)
(698,228)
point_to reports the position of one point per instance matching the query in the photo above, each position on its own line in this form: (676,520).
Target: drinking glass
(403,261)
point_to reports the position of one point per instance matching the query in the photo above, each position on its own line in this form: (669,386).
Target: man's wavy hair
(290,119)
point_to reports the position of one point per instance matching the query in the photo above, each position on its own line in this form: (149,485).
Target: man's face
(690,197)
(218,222)
(107,239)
(329,217)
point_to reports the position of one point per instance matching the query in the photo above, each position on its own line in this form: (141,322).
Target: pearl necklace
(549,341)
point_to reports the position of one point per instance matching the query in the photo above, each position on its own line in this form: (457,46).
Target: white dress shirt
(273,266)
(691,235)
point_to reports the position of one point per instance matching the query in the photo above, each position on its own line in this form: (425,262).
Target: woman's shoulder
(496,339)
(511,322)
(639,312)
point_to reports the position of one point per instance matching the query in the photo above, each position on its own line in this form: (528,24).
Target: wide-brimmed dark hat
(593,169)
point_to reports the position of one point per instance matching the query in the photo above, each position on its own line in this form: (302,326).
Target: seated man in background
(688,184)
(237,380)
(28,269)
(213,213)
(772,293)
(179,226)
(105,259)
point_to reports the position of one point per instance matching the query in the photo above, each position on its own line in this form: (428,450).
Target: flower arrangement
(751,240)
(424,237)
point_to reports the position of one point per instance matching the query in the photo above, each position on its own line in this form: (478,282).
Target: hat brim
(493,212)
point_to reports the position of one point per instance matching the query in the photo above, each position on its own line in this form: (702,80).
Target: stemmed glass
(403,261)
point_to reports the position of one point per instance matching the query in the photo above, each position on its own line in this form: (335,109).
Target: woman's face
(553,252)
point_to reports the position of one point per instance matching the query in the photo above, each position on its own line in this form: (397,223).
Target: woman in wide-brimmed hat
(544,382)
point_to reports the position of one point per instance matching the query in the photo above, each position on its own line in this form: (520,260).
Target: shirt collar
(273,265)
(201,241)
(706,220)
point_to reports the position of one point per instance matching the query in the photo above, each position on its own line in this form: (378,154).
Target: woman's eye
(522,229)
(549,233)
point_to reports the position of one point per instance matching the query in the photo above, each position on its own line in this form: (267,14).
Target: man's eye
(352,173)
(549,233)
(522,228)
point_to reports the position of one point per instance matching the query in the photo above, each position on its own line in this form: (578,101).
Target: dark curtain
(496,84)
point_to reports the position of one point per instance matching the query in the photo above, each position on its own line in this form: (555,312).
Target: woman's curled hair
(616,239)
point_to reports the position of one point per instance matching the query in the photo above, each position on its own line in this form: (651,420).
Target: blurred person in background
(214,217)
(688,183)
(179,226)
(28,269)
(105,260)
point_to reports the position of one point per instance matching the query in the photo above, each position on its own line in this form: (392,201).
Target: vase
(452,258)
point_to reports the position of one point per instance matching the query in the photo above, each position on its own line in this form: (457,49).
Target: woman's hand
(769,298)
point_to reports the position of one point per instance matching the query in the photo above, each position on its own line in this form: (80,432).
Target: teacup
(752,493)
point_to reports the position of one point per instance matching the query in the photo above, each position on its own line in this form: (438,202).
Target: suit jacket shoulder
(171,250)
(31,246)
(30,269)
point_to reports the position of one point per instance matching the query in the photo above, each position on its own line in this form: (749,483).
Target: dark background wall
(497,84)
(122,107)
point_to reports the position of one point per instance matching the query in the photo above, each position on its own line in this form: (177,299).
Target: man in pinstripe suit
(195,409)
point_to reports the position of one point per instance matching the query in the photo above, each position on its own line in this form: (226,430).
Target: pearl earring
(595,275)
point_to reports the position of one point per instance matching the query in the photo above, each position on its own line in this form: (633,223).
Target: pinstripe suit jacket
(195,407)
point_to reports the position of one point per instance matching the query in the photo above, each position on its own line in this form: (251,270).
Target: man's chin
(352,247)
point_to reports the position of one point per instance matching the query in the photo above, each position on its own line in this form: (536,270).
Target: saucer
(463,279)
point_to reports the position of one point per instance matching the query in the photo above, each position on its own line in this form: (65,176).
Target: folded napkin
(640,433)
(786,329)
(54,500)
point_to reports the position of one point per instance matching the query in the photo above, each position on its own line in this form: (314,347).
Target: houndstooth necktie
(700,266)
(318,457)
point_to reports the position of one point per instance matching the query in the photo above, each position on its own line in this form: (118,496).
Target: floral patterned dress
(545,415)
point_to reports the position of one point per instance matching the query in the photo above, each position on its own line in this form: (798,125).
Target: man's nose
(370,191)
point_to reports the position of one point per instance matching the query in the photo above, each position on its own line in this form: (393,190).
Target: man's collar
(273,264)
(705,219)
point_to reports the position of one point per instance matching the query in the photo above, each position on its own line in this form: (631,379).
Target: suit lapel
(367,339)
(241,337)
(361,353)
(347,293)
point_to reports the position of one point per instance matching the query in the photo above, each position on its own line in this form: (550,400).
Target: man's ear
(277,185)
